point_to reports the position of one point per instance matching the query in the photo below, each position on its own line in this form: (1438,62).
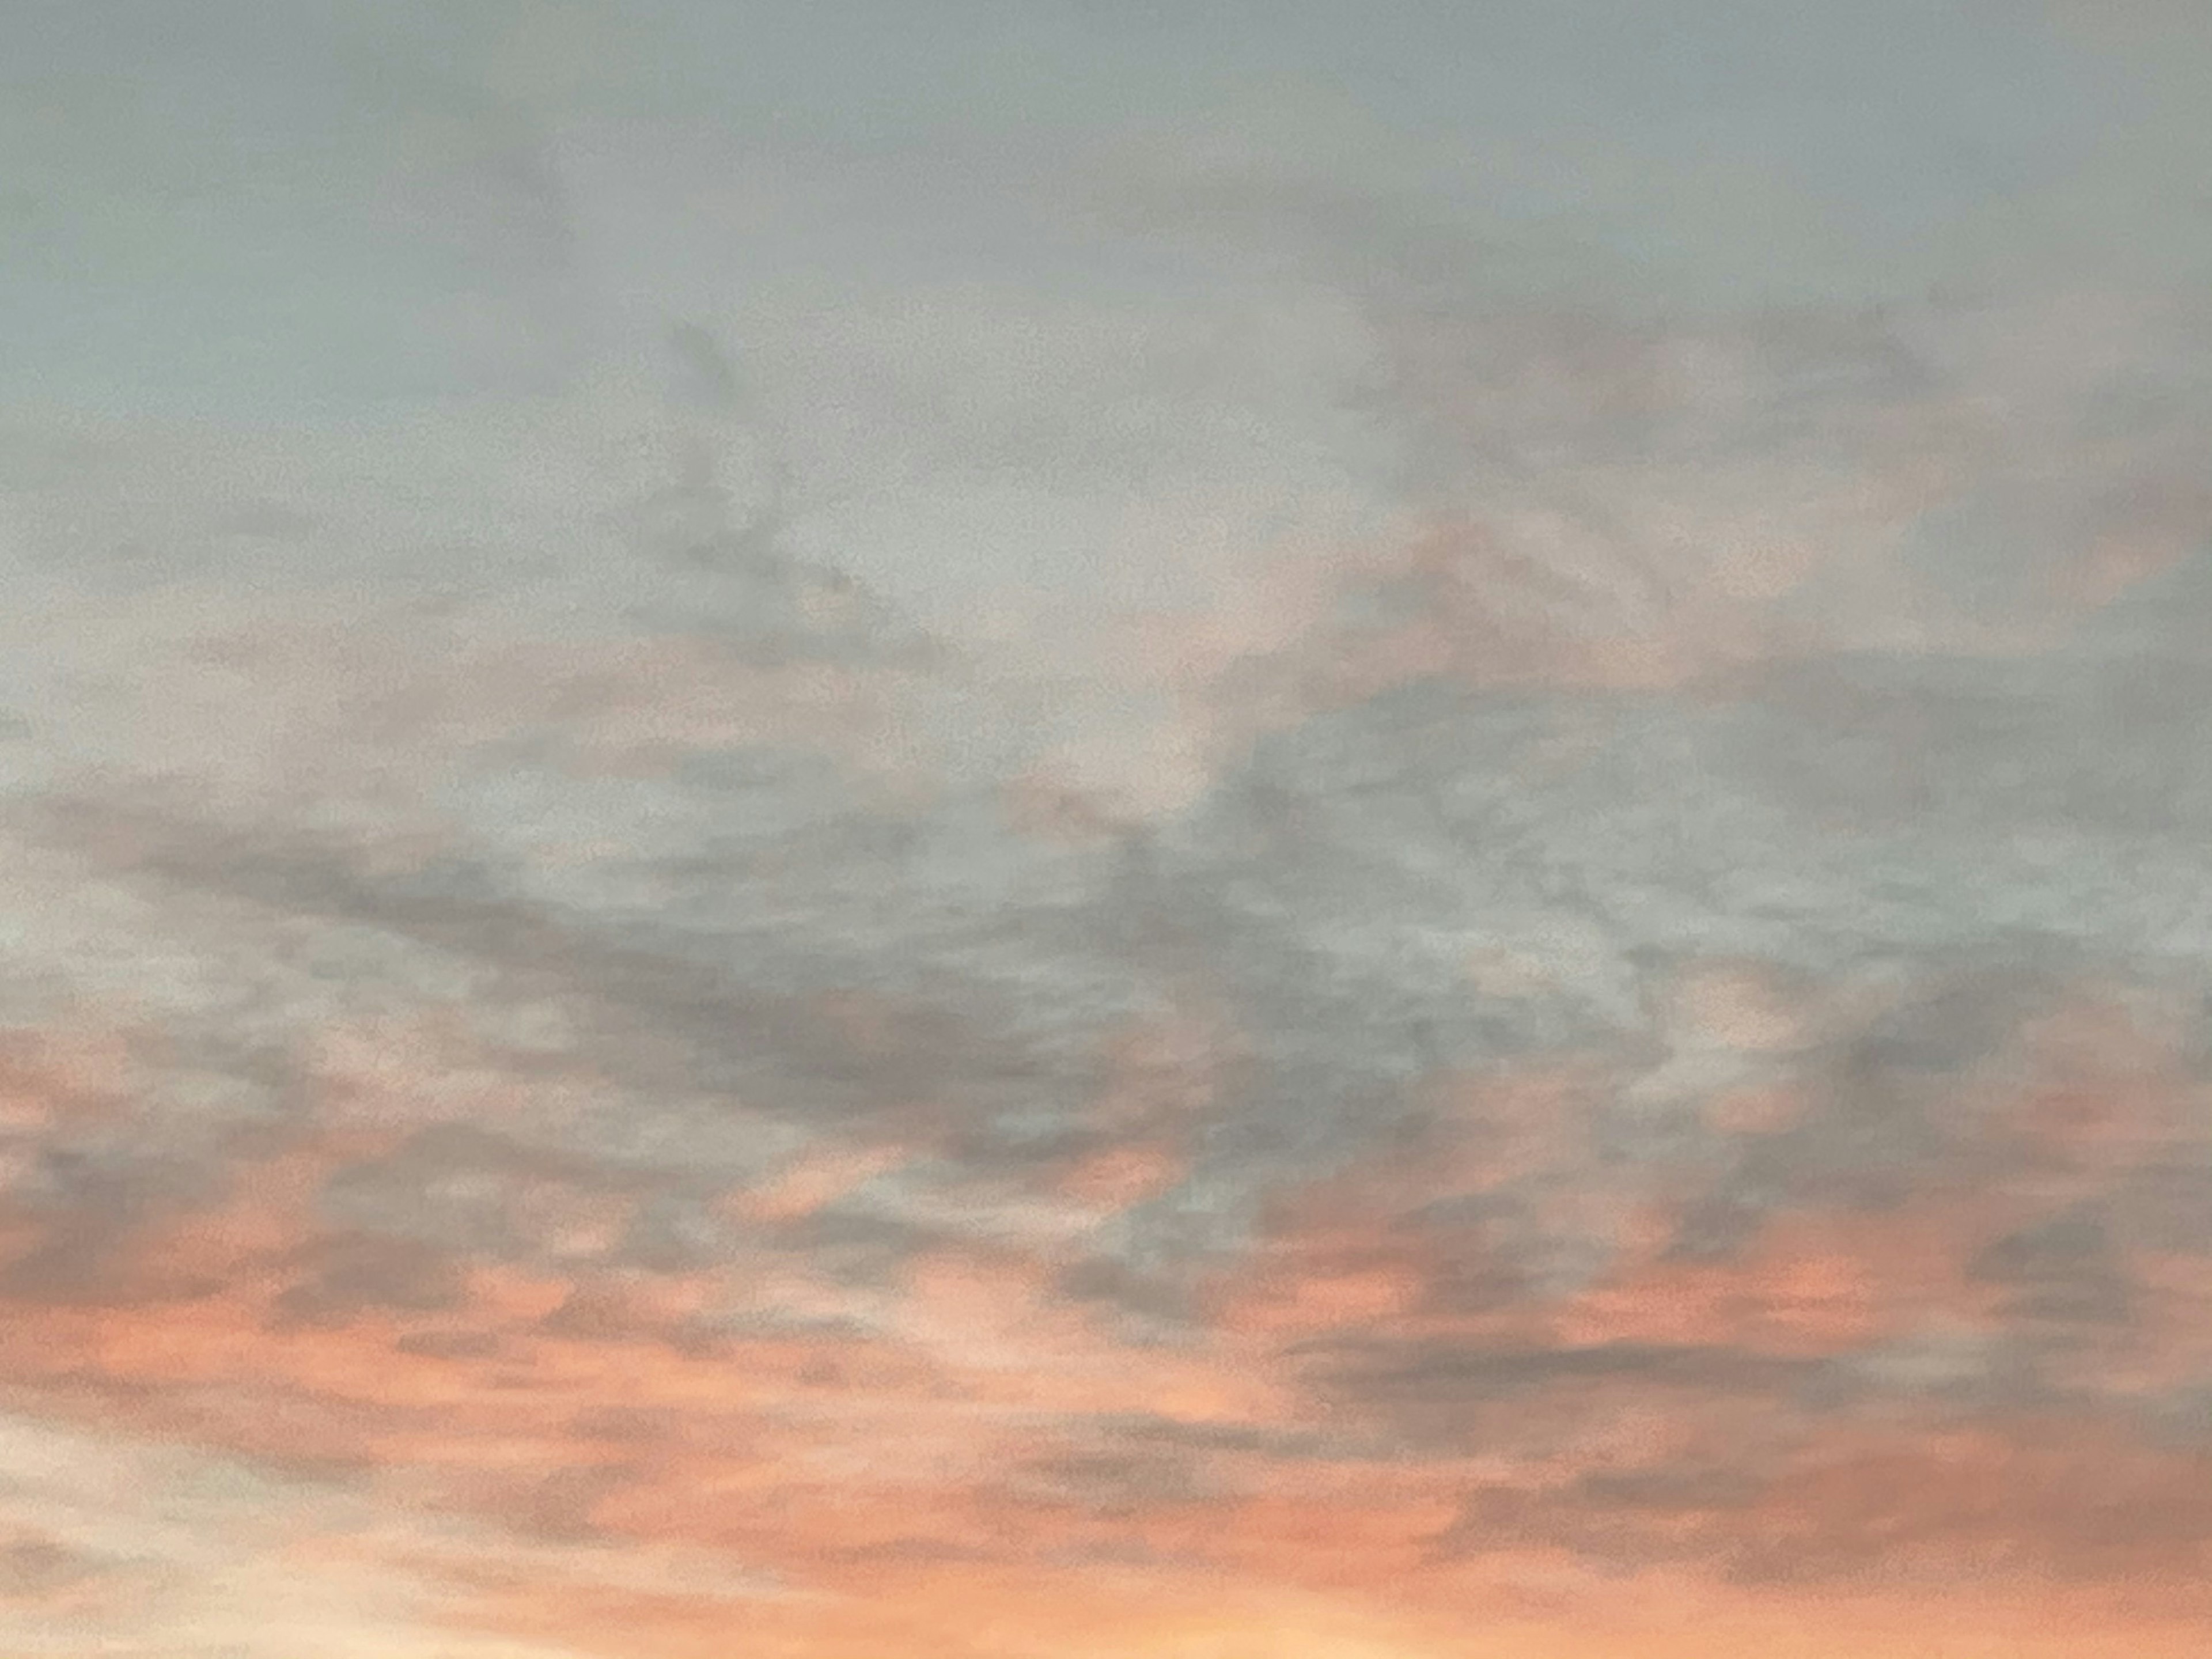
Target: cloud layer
(1171,892)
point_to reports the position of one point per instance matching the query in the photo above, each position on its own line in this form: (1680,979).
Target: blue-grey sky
(231,195)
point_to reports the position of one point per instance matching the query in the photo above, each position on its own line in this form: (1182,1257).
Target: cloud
(992,903)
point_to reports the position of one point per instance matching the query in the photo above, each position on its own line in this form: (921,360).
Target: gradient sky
(1150,832)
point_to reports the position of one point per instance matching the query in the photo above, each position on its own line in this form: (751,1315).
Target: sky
(971,830)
